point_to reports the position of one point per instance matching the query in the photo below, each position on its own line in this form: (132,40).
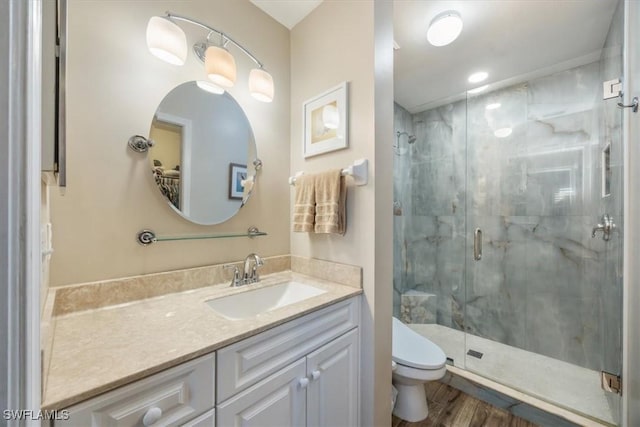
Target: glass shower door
(542,302)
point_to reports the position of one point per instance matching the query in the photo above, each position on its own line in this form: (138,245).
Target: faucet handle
(255,276)
(235,281)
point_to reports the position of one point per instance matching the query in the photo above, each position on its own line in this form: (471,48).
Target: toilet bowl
(418,360)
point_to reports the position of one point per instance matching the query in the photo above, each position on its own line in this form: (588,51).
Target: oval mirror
(204,159)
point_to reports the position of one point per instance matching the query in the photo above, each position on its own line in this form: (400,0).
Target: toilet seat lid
(409,348)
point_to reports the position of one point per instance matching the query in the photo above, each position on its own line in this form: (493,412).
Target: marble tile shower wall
(402,201)
(535,194)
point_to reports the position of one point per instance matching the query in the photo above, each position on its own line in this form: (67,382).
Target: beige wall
(335,43)
(114,86)
(168,138)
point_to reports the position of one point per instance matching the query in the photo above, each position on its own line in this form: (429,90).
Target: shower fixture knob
(606,226)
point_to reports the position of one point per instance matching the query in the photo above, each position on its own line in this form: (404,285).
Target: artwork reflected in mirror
(202,161)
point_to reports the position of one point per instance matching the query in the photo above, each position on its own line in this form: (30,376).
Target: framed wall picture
(326,121)
(237,174)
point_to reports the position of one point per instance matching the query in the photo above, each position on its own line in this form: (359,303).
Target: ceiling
(504,38)
(512,40)
(287,12)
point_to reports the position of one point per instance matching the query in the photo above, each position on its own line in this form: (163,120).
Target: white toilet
(418,360)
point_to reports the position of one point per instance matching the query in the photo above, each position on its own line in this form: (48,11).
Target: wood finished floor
(449,407)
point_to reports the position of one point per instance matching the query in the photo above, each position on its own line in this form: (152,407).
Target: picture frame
(326,121)
(237,174)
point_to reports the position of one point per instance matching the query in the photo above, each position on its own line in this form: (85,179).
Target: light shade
(210,87)
(220,66)
(166,40)
(444,28)
(261,85)
(330,116)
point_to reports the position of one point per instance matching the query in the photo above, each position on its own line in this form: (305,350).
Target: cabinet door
(208,419)
(333,392)
(276,401)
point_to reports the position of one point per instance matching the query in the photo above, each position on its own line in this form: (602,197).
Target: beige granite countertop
(97,350)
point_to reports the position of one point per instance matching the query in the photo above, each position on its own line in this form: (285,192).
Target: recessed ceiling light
(493,106)
(478,77)
(503,132)
(444,28)
(478,89)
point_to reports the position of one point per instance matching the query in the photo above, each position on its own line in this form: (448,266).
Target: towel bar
(359,171)
(147,237)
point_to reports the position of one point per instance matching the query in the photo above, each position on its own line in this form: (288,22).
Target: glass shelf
(147,237)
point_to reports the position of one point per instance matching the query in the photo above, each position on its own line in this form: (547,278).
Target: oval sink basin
(255,301)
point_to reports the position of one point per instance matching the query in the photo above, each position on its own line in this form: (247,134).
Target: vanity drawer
(244,363)
(168,398)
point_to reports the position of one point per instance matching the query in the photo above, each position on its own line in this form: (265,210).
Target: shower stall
(508,241)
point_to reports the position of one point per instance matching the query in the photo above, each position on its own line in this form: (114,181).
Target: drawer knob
(151,416)
(304,382)
(315,374)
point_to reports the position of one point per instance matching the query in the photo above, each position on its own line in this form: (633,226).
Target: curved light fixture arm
(223,35)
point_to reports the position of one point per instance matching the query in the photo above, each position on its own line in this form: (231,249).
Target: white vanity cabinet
(302,373)
(183,395)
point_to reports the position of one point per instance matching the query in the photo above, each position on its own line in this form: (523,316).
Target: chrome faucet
(249,274)
(252,276)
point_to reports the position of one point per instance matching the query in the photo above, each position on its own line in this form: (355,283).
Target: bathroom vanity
(295,365)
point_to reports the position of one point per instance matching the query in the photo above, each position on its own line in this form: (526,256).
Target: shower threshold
(550,382)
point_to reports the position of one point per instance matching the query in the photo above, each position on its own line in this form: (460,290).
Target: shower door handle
(477,244)
(606,225)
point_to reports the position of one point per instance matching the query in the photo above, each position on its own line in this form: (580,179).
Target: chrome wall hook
(633,105)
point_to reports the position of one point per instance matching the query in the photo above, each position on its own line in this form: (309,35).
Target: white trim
(185,158)
(32,228)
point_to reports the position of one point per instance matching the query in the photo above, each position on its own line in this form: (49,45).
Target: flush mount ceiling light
(503,132)
(478,77)
(493,106)
(444,28)
(167,41)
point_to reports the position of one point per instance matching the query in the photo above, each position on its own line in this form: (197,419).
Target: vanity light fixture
(220,66)
(478,77)
(167,41)
(444,28)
